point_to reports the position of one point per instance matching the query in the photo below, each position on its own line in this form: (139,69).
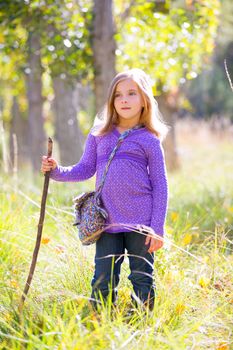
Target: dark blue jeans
(108,260)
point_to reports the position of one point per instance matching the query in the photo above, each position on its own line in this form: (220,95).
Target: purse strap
(119,142)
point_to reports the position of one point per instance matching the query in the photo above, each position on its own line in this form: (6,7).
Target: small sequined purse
(90,214)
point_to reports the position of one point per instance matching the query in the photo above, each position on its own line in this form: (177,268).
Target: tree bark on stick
(39,231)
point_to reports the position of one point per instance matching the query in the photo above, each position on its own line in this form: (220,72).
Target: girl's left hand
(154,243)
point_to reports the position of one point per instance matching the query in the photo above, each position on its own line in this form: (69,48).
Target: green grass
(193,272)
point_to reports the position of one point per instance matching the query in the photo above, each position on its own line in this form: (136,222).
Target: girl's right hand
(48,164)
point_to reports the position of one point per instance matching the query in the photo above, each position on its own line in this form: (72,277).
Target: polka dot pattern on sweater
(135,191)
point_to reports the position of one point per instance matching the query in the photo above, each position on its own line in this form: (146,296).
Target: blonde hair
(150,117)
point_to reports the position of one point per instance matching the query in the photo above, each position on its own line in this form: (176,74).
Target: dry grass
(193,273)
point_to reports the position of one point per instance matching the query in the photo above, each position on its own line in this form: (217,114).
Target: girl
(135,190)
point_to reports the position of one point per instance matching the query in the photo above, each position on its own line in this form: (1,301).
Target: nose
(124,100)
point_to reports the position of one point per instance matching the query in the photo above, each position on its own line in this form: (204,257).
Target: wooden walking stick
(39,231)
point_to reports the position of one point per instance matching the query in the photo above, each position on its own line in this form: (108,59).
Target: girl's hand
(48,164)
(154,243)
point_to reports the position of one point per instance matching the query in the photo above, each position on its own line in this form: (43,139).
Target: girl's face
(128,101)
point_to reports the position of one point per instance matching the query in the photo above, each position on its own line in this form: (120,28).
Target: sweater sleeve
(158,177)
(81,171)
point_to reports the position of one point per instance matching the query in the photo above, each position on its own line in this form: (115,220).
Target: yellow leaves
(223,346)
(14,284)
(58,248)
(187,239)
(124,296)
(204,282)
(174,216)
(155,91)
(124,293)
(210,46)
(230,209)
(180,308)
(13,197)
(45,240)
(190,237)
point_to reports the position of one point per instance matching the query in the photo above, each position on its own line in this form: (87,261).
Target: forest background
(57,58)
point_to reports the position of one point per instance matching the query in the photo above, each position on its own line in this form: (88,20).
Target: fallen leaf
(223,346)
(14,284)
(187,238)
(204,282)
(180,308)
(45,240)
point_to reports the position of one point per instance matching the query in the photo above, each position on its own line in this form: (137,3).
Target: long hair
(150,117)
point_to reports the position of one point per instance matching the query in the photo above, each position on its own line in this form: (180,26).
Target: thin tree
(104,47)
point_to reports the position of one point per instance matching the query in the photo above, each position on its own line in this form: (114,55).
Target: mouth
(125,108)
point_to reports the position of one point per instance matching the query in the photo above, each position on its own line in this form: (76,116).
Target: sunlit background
(57,58)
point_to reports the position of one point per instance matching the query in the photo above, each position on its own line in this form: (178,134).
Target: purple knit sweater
(135,191)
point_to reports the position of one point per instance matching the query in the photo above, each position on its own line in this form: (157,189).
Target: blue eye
(132,93)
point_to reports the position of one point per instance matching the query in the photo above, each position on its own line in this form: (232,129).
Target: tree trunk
(35,101)
(168,107)
(19,127)
(67,131)
(104,47)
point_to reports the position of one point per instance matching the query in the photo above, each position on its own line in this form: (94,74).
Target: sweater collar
(118,134)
